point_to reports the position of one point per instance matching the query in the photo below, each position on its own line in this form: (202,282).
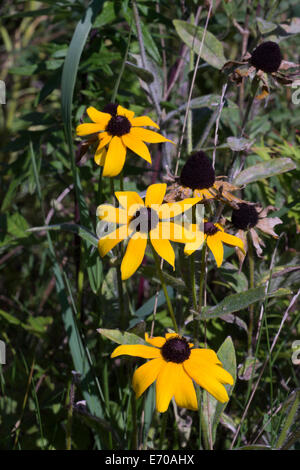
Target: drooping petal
(155,194)
(137,146)
(203,194)
(166,385)
(98,116)
(134,255)
(164,249)
(148,136)
(267,224)
(104,138)
(108,242)
(185,394)
(205,378)
(172,209)
(157,341)
(196,241)
(110,213)
(232,240)
(215,244)
(143,121)
(257,242)
(88,128)
(125,112)
(115,157)
(138,350)
(100,156)
(145,375)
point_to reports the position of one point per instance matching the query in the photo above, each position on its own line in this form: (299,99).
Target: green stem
(236,160)
(200,296)
(163,430)
(162,280)
(251,279)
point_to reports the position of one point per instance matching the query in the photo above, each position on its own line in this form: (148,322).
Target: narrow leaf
(265,170)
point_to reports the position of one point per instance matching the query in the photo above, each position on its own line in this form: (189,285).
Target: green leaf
(265,26)
(140,72)
(212,50)
(121,337)
(212,408)
(238,144)
(264,170)
(83,232)
(240,301)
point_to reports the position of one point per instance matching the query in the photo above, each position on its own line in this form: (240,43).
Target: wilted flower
(198,177)
(248,218)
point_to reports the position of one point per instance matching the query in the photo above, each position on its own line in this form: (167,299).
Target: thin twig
(192,87)
(293,301)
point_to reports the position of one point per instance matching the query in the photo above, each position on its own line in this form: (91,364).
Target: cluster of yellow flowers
(175,363)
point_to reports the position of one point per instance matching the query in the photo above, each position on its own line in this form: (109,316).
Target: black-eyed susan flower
(174,365)
(118,129)
(246,219)
(198,177)
(142,222)
(215,236)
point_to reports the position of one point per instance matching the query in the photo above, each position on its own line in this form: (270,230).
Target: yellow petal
(164,250)
(172,209)
(88,128)
(145,375)
(137,146)
(157,341)
(207,355)
(185,394)
(134,255)
(115,157)
(148,136)
(107,243)
(166,385)
(215,244)
(203,194)
(127,199)
(139,350)
(155,194)
(232,240)
(143,121)
(204,377)
(125,112)
(196,242)
(109,213)
(98,117)
(104,138)
(100,156)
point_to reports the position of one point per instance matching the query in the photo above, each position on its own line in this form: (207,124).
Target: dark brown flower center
(210,228)
(244,217)
(176,350)
(118,126)
(267,57)
(198,172)
(144,220)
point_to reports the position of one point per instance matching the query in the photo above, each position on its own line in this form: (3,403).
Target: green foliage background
(58,58)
